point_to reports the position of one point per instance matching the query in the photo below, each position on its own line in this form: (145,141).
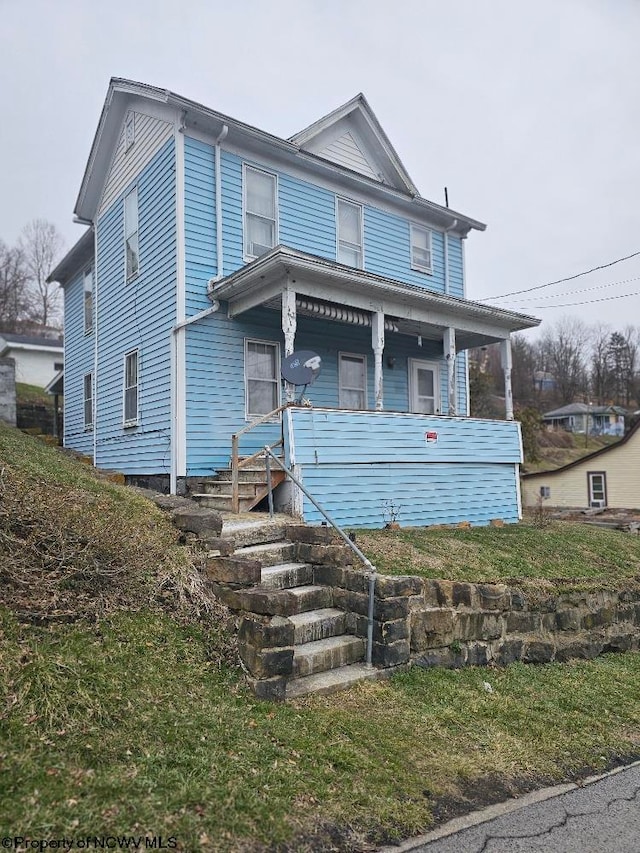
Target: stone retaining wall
(419,621)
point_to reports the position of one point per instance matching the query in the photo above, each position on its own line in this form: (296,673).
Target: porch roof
(414,310)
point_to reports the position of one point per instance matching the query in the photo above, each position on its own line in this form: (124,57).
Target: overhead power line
(587,301)
(581,290)
(560,280)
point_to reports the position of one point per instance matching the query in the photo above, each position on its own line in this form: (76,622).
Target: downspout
(218,178)
(446,254)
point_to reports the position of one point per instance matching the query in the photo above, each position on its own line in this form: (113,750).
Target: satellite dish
(301,367)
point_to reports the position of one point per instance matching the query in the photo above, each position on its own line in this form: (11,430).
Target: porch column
(377,342)
(449,347)
(505,358)
(289,323)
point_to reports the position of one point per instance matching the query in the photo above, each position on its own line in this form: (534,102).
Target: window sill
(130,424)
(422,270)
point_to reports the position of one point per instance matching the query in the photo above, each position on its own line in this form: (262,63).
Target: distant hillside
(558,448)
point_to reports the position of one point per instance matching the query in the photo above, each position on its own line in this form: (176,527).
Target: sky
(526,111)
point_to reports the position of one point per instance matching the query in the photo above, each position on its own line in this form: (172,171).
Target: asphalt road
(600,816)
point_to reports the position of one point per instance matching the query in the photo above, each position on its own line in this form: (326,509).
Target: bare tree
(13,288)
(564,348)
(600,374)
(41,244)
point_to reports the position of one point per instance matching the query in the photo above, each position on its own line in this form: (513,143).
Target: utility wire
(587,301)
(581,290)
(560,280)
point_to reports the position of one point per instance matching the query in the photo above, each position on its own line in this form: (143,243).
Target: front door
(424,387)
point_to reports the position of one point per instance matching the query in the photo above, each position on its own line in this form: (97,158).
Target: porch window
(88,400)
(131,413)
(420,249)
(352,381)
(262,381)
(260,217)
(350,233)
(88,302)
(131,233)
(597,481)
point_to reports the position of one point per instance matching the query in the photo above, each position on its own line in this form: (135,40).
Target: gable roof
(635,428)
(583,409)
(12,341)
(352,136)
(367,135)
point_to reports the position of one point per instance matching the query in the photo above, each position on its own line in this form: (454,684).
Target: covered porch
(411,329)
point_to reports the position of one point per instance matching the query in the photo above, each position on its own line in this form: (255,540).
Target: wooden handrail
(235,454)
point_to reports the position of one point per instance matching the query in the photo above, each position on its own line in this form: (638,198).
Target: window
(262,360)
(420,249)
(130,131)
(349,233)
(260,217)
(131,388)
(545,491)
(131,233)
(88,401)
(58,365)
(88,302)
(597,482)
(352,381)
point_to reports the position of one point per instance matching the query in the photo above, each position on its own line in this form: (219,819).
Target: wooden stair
(216,493)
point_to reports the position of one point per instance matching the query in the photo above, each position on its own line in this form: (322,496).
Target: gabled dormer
(351,136)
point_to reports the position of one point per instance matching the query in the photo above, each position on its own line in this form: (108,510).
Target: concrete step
(245,475)
(310,597)
(330,653)
(331,681)
(287,575)
(318,625)
(247,532)
(270,554)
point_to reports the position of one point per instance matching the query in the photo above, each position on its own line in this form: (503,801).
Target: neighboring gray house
(38,359)
(581,417)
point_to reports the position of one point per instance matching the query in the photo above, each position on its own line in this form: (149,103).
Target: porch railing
(237,464)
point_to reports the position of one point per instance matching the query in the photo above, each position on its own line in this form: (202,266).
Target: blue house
(213,251)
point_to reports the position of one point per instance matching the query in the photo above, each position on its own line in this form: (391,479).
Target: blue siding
(307,222)
(200,222)
(78,350)
(138,314)
(468,474)
(456,269)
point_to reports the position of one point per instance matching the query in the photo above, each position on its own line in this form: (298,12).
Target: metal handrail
(235,455)
(372,569)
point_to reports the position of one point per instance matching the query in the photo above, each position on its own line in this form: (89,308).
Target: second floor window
(260,216)
(349,233)
(131,233)
(88,302)
(420,249)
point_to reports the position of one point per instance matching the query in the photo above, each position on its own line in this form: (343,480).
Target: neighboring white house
(37,359)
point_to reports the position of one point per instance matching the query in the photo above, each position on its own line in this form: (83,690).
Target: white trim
(131,422)
(276,236)
(95,344)
(518,494)
(88,425)
(247,415)
(467,384)
(362,357)
(340,198)
(179,380)
(415,266)
(437,390)
(133,189)
(52,350)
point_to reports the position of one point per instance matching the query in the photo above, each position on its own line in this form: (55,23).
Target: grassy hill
(123,713)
